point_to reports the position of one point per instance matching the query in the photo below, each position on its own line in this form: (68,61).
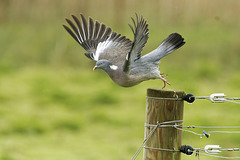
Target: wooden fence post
(165,108)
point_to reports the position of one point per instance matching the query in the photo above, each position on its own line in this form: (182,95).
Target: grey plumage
(140,32)
(118,56)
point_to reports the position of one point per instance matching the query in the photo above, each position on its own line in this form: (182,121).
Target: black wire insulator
(190,98)
(186,149)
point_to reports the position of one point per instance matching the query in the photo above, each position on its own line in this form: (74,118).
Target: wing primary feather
(131,28)
(90,28)
(90,56)
(89,34)
(96,29)
(134,23)
(80,32)
(74,28)
(106,34)
(121,39)
(84,26)
(140,31)
(137,19)
(113,34)
(116,37)
(72,25)
(71,33)
(101,32)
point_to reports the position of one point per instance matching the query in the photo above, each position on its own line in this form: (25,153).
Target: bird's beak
(94,68)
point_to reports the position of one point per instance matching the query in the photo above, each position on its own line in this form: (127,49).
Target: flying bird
(117,55)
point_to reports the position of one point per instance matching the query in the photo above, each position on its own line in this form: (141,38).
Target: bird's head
(105,65)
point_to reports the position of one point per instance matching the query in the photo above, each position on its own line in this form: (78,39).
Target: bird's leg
(164,80)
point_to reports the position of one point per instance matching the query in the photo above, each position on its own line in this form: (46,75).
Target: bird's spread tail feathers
(170,44)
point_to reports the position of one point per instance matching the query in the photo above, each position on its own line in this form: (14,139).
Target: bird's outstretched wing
(98,40)
(140,32)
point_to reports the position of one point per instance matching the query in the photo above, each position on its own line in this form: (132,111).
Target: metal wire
(188,131)
(215,98)
(223,131)
(210,155)
(179,127)
(144,142)
(213,127)
(151,133)
(160,98)
(201,135)
(162,149)
(232,101)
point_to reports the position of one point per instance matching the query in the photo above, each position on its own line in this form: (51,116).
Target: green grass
(52,106)
(65,114)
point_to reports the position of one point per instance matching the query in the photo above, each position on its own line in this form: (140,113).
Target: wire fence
(208,149)
(187,149)
(214,98)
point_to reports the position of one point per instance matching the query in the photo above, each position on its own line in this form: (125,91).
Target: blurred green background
(53,107)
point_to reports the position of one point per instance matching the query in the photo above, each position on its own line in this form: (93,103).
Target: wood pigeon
(118,56)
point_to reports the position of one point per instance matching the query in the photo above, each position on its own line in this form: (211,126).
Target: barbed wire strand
(193,127)
(201,135)
(179,127)
(213,127)
(188,131)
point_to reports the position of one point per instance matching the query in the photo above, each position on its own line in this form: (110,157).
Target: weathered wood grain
(163,110)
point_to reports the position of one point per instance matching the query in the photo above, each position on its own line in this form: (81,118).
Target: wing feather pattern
(98,39)
(140,32)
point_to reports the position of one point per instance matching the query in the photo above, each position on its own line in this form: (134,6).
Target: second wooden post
(163,106)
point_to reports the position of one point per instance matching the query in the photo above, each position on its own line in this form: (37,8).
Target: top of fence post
(163,105)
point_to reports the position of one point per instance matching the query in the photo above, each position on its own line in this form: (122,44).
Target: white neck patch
(113,67)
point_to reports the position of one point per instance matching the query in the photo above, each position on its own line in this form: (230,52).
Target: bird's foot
(164,80)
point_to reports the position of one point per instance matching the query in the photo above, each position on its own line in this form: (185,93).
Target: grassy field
(52,105)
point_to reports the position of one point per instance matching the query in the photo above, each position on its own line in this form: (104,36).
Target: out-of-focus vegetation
(52,105)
